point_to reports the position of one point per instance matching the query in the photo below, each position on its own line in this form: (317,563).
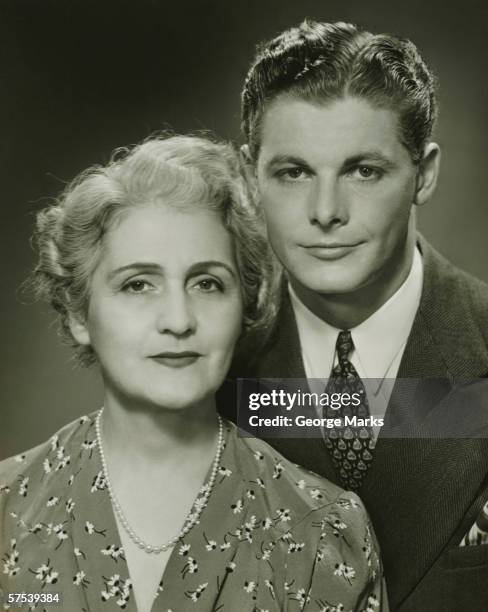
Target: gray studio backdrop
(81,78)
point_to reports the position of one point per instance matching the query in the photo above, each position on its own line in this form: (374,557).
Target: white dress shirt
(379,341)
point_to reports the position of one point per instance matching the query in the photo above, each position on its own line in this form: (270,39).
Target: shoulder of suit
(454,293)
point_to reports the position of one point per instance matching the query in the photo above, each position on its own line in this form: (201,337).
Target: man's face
(337,186)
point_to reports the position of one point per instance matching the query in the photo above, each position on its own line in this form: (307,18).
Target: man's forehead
(342,127)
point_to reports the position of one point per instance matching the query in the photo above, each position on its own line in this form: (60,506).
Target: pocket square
(478,532)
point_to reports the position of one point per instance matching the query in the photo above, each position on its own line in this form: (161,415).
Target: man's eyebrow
(202,266)
(286,159)
(370,156)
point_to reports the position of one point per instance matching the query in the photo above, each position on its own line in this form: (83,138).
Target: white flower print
(80,579)
(89,444)
(250,586)
(267,523)
(278,470)
(99,482)
(20,458)
(10,559)
(113,551)
(52,501)
(46,574)
(184,549)
(283,514)
(258,456)
(270,586)
(115,587)
(195,595)
(79,553)
(190,567)
(372,603)
(327,607)
(345,571)
(295,547)
(237,506)
(211,544)
(300,596)
(54,441)
(47,466)
(301,484)
(24,483)
(316,494)
(5,489)
(224,472)
(90,529)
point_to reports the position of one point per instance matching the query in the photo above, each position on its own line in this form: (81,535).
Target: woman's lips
(176,360)
(331,251)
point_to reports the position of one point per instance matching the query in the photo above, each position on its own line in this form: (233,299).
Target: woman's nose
(176,314)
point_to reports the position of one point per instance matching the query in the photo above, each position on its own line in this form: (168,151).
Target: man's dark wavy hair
(320,62)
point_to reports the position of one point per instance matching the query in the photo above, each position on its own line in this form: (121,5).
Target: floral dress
(273,537)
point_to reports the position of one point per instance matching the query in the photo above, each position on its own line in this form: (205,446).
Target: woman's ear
(79,329)
(427,174)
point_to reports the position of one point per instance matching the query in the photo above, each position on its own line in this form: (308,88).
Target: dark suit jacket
(422,494)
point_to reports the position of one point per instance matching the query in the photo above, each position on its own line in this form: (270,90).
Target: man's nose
(176,313)
(327,205)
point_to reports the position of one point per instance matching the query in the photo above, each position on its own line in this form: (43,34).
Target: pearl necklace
(193,517)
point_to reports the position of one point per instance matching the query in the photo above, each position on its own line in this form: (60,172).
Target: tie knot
(344,345)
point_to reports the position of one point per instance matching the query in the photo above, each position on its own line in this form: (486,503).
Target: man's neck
(348,310)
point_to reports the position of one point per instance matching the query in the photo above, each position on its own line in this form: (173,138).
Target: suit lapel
(412,488)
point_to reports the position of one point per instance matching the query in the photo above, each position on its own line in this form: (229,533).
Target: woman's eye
(137,286)
(208,285)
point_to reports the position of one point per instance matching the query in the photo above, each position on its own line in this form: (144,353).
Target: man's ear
(78,328)
(427,174)
(249,169)
(246,154)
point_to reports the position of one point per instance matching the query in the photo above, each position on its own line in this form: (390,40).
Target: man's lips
(176,359)
(330,250)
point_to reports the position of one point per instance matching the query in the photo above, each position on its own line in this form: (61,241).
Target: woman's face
(165,307)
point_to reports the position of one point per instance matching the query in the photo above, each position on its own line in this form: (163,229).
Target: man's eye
(292,174)
(368,173)
(208,285)
(137,286)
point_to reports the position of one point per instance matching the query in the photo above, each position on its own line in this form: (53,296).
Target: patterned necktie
(351,448)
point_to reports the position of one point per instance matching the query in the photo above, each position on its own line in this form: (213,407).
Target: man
(338,124)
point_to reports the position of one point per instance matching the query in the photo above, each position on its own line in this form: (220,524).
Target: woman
(155,266)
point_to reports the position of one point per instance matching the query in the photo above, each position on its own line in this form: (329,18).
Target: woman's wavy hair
(320,62)
(163,170)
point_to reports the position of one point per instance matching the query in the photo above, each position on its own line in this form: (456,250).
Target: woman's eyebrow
(203,266)
(140,266)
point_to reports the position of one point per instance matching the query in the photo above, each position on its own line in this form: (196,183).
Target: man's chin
(342,284)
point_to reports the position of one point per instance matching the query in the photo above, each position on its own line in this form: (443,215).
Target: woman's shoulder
(303,492)
(49,457)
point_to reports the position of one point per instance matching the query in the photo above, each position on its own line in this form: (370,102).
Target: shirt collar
(377,340)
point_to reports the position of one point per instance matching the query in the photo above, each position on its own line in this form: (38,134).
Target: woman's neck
(155,435)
